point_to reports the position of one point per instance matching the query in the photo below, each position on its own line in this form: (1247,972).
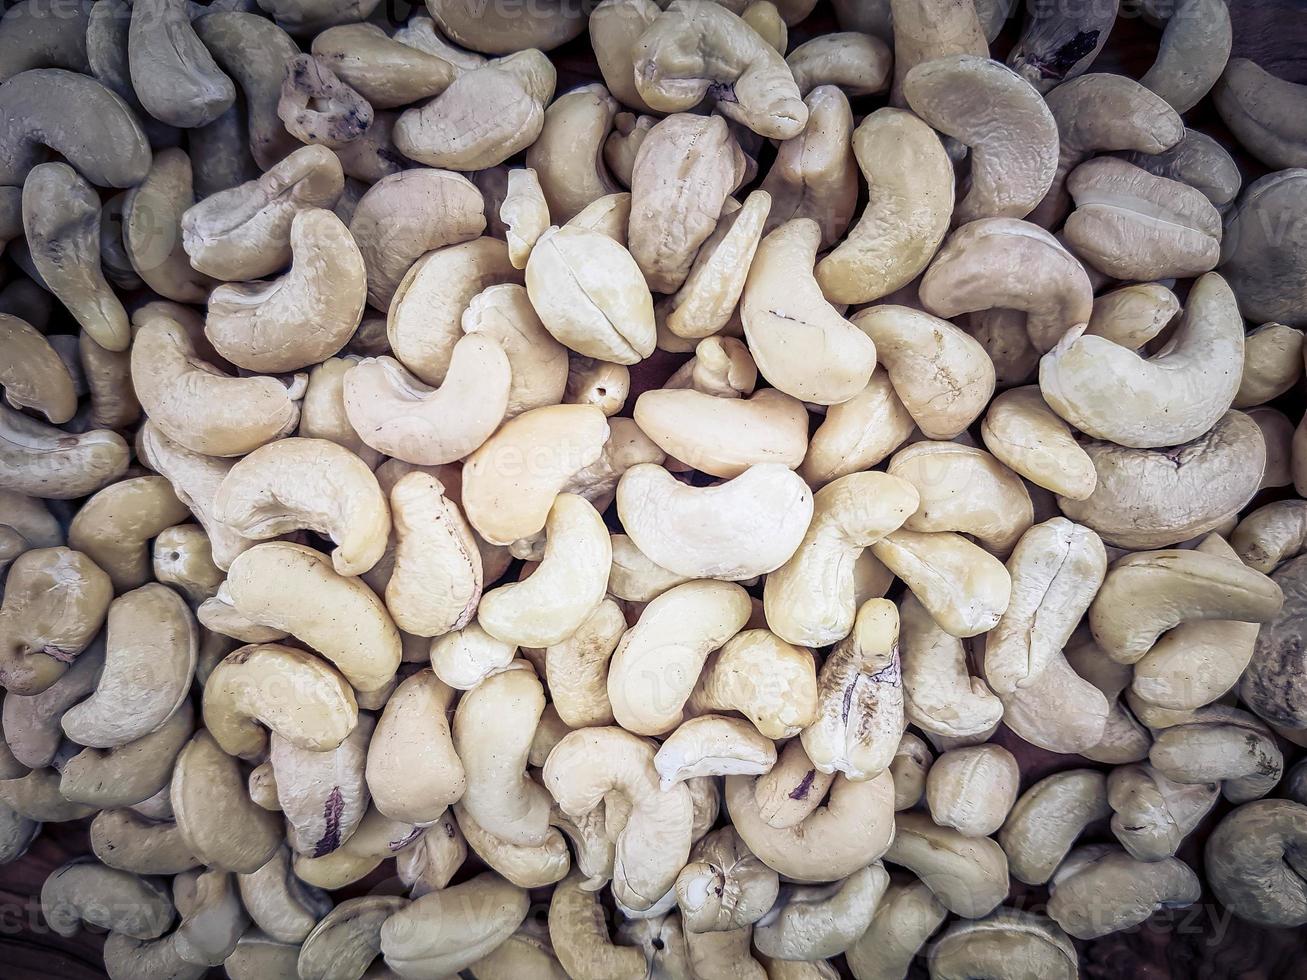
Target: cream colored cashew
(54,602)
(1273,363)
(943,376)
(608,764)
(444,931)
(815,173)
(1131,224)
(939,694)
(697,48)
(965,588)
(1006,943)
(407,214)
(1153,498)
(725,886)
(599,383)
(149,663)
(578,931)
(209,798)
(36,797)
(1223,745)
(855,827)
(713,745)
(1058,709)
(613,25)
(658,661)
(292,693)
(525,866)
(1056,569)
(1100,890)
(32,730)
(484,117)
(1254,866)
(61,221)
(925,31)
(200,406)
(792,789)
(85,891)
(567,156)
(348,938)
(590,295)
(492,731)
(124,839)
(1148,593)
(1123,738)
(278,488)
(387,71)
(1010,264)
(538,363)
(1264,112)
(429,863)
(1025,435)
(972,788)
(303,317)
(724,436)
(813,923)
(577,668)
(218,615)
(860,698)
(463,658)
(984,104)
(712,531)
(413,771)
(525,213)
(909,769)
(770,682)
(339,617)
(858,63)
(282,906)
(1133,315)
(244,232)
(904,919)
(1045,822)
(967,874)
(1271,535)
(322,412)
(127,774)
(858,433)
(95,130)
(783,310)
(323,795)
(1152,814)
(33,375)
(114,527)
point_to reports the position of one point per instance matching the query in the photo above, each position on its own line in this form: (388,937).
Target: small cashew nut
(725,886)
(1100,889)
(713,745)
(939,694)
(1255,866)
(1045,822)
(904,919)
(770,682)
(87,891)
(973,788)
(965,589)
(813,923)
(1152,814)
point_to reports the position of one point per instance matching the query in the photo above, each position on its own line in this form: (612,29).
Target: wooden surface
(1199,943)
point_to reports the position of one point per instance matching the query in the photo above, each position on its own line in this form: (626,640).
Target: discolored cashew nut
(1152,814)
(86,891)
(323,795)
(1100,890)
(34,377)
(1220,745)
(1254,862)
(1264,112)
(1007,942)
(317,107)
(1058,44)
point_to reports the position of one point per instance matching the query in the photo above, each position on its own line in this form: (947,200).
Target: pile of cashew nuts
(381,622)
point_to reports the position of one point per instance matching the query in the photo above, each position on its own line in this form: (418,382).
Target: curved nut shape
(445,931)
(115,526)
(972,788)
(281,905)
(590,295)
(859,433)
(725,886)
(387,71)
(243,232)
(55,600)
(1220,745)
(292,693)
(993,111)
(278,488)
(464,658)
(1028,437)
(578,932)
(538,364)
(1148,593)
(347,939)
(1057,45)
(33,376)
(1254,866)
(567,157)
(939,694)
(1056,571)
(1061,711)
(713,745)
(127,774)
(965,588)
(1194,49)
(813,923)
(858,63)
(1009,264)
(122,838)
(303,317)
(322,794)
(745,527)
(1273,362)
(1045,822)
(525,213)
(87,891)
(339,617)
(32,730)
(1199,161)
(151,229)
(967,874)
(1006,943)
(1264,112)
(1271,535)
(770,682)
(783,310)
(905,917)
(597,764)
(202,408)
(1133,315)
(173,74)
(317,107)
(1101,890)
(857,824)
(1153,813)
(577,669)
(150,652)
(696,49)
(525,866)
(1264,267)
(95,131)
(1153,498)
(413,771)
(402,216)
(37,34)
(209,798)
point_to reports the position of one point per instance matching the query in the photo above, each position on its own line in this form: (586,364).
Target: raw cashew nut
(1254,863)
(538,363)
(86,891)
(123,838)
(967,874)
(173,74)
(347,939)
(1100,890)
(303,317)
(1152,814)
(1263,249)
(1264,112)
(924,30)
(965,588)
(445,931)
(858,63)
(1045,822)
(387,71)
(1004,122)
(725,886)
(594,765)
(783,310)
(860,432)
(322,794)
(413,771)
(280,904)
(1223,745)
(1273,362)
(855,827)
(1025,435)
(567,156)
(1154,498)
(294,694)
(697,48)
(114,527)
(770,682)
(34,376)
(1271,535)
(938,692)
(1006,943)
(813,923)
(972,788)
(578,931)
(904,919)
(713,745)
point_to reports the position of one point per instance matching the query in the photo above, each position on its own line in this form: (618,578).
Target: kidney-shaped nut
(769,681)
(39,460)
(725,886)
(967,874)
(1271,535)
(939,694)
(1152,814)
(1221,745)
(696,49)
(972,788)
(1100,890)
(965,588)
(34,376)
(1264,112)
(87,891)
(281,905)
(413,771)
(713,745)
(816,922)
(114,527)
(1253,864)
(1007,942)
(1045,822)
(347,939)
(123,838)
(904,919)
